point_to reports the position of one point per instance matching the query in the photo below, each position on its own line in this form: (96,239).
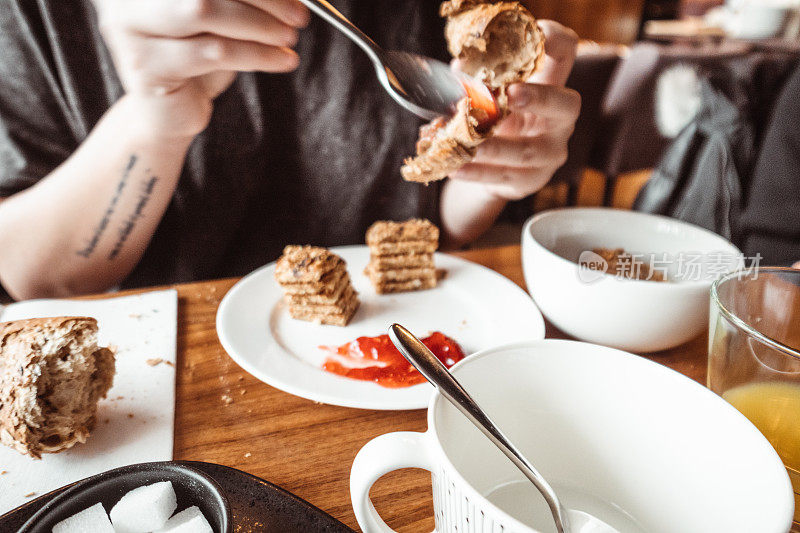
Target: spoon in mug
(427,87)
(567,520)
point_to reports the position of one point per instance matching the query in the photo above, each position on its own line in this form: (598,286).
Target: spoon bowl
(427,87)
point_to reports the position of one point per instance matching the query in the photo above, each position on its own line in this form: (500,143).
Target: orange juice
(774,408)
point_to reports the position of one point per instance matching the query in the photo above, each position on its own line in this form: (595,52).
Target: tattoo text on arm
(91,245)
(127,226)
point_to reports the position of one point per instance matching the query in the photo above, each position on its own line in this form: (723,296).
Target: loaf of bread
(52,374)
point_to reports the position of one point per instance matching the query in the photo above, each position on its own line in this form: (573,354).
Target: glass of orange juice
(754,356)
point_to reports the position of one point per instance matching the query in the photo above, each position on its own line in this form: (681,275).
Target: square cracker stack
(401,255)
(316,285)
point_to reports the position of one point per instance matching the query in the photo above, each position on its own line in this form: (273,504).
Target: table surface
(305,447)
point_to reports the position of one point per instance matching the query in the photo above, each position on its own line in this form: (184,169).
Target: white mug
(632,442)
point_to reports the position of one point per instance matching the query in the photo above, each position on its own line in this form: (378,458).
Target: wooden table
(224,415)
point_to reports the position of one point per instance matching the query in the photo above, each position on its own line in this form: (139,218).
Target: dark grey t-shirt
(308,157)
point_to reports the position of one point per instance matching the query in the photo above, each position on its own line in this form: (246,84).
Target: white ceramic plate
(476,306)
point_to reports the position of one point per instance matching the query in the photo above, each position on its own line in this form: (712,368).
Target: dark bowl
(191,486)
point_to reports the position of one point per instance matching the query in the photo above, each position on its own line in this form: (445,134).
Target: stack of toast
(316,285)
(401,255)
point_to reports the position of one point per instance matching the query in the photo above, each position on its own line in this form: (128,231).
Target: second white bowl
(634,315)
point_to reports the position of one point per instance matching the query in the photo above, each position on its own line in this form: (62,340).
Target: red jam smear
(484,105)
(376,359)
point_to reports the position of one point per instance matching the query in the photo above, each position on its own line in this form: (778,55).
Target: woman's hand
(530,144)
(175,56)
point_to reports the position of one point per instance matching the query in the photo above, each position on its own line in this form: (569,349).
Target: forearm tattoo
(91,245)
(128,225)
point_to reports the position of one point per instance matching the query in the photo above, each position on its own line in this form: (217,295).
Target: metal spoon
(567,520)
(427,87)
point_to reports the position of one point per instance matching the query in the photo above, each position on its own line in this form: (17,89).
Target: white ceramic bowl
(634,315)
(635,443)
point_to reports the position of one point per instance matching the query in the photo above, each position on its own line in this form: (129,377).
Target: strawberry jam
(483,106)
(376,359)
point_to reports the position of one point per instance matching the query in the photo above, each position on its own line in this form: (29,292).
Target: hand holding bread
(525,63)
(530,143)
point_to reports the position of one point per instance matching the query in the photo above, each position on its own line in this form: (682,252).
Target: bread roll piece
(445,146)
(52,374)
(498,43)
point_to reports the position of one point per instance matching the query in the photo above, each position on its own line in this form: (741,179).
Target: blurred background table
(224,415)
(617,141)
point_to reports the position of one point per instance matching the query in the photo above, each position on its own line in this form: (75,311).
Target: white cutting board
(135,421)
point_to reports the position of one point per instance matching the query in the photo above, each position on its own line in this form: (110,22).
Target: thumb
(560,47)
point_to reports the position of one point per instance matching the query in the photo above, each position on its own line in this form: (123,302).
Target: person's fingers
(151,62)
(530,125)
(181,18)
(537,152)
(291,12)
(545,101)
(560,47)
(214,83)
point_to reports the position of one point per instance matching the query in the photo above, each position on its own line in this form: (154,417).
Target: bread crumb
(4,472)
(154,361)
(130,415)
(169,363)
(120,398)
(226,399)
(248,454)
(137,316)
(29,495)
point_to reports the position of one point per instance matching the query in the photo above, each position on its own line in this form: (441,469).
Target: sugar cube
(92,519)
(144,508)
(189,520)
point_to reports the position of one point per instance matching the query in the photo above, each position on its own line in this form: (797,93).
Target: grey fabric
(308,157)
(733,170)
(700,177)
(771,219)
